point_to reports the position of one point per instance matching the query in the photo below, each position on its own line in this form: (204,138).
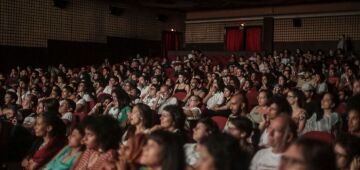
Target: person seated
(347,151)
(191,109)
(241,128)
(172,119)
(51,132)
(282,131)
(140,121)
(203,128)
(221,152)
(326,120)
(66,109)
(66,158)
(163,150)
(354,121)
(307,153)
(102,137)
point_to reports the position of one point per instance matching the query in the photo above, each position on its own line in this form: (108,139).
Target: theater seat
(317,135)
(220,121)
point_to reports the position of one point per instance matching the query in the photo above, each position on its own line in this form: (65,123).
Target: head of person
(346,148)
(296,97)
(164,91)
(120,97)
(51,105)
(10,97)
(329,101)
(67,105)
(163,150)
(75,139)
(203,128)
(102,133)
(264,97)
(49,125)
(194,101)
(229,90)
(277,105)
(308,90)
(282,131)
(141,114)
(354,121)
(356,87)
(113,81)
(30,101)
(218,84)
(194,83)
(221,152)
(240,128)
(238,103)
(172,117)
(181,78)
(308,154)
(67,91)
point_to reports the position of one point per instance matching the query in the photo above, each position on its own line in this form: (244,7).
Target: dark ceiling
(194,5)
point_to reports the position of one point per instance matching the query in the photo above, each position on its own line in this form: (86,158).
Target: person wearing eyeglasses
(296,99)
(282,131)
(308,154)
(347,150)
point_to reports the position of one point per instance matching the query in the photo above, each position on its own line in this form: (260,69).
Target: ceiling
(195,5)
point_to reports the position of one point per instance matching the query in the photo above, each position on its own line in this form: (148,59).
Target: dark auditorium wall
(27,27)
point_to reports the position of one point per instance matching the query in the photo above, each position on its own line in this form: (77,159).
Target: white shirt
(264,139)
(265,159)
(169,101)
(150,101)
(191,155)
(323,125)
(107,90)
(67,116)
(216,99)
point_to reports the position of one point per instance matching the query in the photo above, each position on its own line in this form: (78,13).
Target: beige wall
(313,29)
(207,27)
(211,32)
(32,22)
(317,29)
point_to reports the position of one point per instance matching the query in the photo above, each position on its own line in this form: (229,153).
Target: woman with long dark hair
(163,151)
(51,132)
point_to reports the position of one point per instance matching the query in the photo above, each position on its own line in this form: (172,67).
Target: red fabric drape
(253,39)
(170,41)
(234,39)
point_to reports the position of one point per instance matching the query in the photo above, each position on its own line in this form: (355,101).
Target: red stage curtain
(170,41)
(253,39)
(234,39)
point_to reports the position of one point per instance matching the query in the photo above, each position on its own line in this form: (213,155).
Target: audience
(170,111)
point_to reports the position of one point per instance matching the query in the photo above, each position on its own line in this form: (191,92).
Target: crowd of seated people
(282,110)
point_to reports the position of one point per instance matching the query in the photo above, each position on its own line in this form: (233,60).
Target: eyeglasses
(289,96)
(338,155)
(291,161)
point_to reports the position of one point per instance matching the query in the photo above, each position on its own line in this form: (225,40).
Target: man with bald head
(237,105)
(282,131)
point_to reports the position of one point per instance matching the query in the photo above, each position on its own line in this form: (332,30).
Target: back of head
(51,105)
(225,151)
(53,120)
(173,156)
(318,155)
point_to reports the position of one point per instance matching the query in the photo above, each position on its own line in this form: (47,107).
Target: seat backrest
(220,121)
(322,136)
